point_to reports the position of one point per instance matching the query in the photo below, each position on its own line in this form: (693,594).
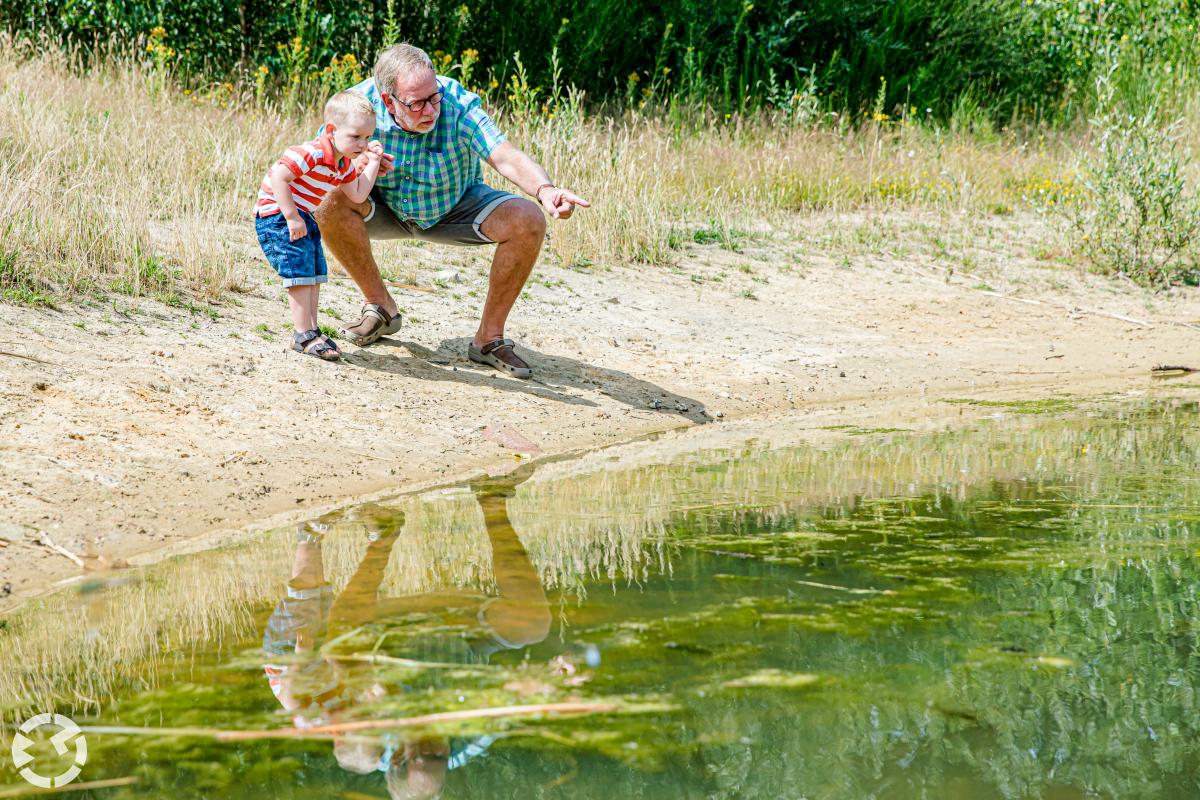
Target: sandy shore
(131,426)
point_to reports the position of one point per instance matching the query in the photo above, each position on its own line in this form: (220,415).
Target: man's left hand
(386,161)
(560,203)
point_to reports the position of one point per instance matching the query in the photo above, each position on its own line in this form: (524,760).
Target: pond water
(1007,608)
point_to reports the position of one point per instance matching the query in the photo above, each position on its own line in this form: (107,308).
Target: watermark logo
(68,733)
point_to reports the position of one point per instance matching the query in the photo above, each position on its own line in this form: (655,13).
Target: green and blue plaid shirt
(433,170)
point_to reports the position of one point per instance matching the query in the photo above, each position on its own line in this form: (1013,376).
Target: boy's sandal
(316,344)
(500,354)
(373,323)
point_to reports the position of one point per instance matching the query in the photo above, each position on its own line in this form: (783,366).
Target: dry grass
(116,185)
(121,183)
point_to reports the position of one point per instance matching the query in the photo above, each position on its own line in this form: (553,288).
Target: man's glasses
(417,106)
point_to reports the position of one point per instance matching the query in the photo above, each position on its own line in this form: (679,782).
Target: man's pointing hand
(560,203)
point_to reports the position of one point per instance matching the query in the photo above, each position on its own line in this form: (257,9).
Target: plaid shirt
(433,170)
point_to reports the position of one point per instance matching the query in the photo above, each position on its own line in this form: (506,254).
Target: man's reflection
(445,626)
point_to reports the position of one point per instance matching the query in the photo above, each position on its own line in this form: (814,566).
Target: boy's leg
(314,303)
(303,305)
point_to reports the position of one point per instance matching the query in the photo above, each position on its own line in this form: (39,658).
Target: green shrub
(1138,217)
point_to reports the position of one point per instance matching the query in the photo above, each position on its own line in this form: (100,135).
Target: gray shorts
(460,226)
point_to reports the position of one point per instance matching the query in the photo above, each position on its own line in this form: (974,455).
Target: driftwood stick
(380,658)
(48,543)
(30,791)
(327,731)
(553,709)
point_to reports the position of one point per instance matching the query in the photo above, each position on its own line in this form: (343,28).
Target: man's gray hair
(398,61)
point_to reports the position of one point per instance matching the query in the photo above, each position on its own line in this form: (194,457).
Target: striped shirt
(316,174)
(433,170)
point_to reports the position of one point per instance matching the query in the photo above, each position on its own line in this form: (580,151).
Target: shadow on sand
(553,377)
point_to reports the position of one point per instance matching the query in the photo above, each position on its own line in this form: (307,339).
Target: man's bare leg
(518,227)
(343,229)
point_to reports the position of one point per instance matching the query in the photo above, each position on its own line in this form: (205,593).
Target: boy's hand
(374,150)
(296,229)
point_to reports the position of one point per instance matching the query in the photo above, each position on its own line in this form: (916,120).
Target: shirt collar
(326,144)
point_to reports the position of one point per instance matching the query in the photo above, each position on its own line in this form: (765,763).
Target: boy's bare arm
(281,176)
(360,188)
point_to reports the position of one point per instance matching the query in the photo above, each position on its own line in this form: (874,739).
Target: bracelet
(537,195)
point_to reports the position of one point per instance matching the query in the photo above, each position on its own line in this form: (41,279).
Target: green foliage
(1140,218)
(17,285)
(1007,58)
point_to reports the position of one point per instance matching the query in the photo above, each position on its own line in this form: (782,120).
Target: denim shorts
(459,226)
(299,263)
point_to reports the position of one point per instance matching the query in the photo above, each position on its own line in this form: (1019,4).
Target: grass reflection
(1008,610)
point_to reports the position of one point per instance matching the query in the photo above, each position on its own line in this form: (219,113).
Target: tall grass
(122,181)
(116,183)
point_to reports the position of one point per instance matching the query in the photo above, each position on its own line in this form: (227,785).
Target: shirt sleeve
(477,128)
(299,159)
(349,174)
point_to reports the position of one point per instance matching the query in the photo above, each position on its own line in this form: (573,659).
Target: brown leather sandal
(374,323)
(501,355)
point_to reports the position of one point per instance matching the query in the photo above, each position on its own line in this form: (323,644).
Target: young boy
(291,192)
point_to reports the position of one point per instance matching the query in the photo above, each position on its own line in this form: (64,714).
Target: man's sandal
(314,343)
(373,323)
(500,354)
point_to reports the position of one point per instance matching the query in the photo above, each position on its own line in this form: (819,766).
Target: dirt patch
(133,426)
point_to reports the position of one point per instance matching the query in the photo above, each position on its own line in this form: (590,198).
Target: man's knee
(533,221)
(337,209)
(519,219)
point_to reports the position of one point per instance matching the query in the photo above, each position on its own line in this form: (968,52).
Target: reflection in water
(324,684)
(1005,611)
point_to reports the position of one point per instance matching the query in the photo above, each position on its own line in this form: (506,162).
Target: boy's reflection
(469,628)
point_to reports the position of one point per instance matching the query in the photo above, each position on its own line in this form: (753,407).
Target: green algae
(1004,612)
(1049,405)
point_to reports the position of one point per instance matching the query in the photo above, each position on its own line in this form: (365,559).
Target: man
(430,187)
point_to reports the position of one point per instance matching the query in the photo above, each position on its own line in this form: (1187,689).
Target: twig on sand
(45,541)
(30,791)
(1069,308)
(1170,369)
(410,287)
(27,358)
(89,563)
(369,455)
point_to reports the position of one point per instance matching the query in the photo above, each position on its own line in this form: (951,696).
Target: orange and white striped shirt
(316,171)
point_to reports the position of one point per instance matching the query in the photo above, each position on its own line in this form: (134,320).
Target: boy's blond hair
(398,61)
(344,105)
